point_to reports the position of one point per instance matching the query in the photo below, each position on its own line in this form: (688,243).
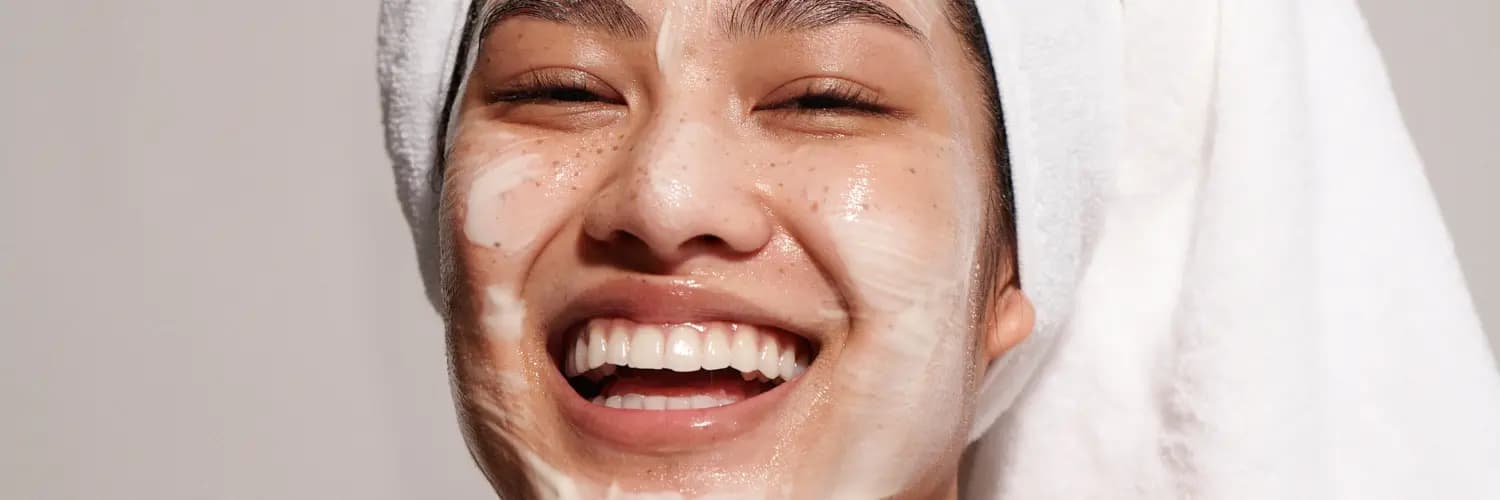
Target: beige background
(206,290)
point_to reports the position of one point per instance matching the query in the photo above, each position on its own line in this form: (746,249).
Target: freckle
(912,170)
(556,163)
(497,244)
(781,185)
(599,151)
(825,188)
(614,147)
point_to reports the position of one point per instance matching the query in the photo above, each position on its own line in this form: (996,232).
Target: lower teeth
(644,402)
(637,389)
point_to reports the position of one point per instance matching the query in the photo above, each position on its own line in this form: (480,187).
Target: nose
(678,195)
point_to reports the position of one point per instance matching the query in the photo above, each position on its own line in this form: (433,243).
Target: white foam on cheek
(912,285)
(504,313)
(550,483)
(857,197)
(510,423)
(484,219)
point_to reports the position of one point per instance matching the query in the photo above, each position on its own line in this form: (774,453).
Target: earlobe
(1010,322)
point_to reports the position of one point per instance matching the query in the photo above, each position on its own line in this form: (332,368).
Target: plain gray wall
(206,290)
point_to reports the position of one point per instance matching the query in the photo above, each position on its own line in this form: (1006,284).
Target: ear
(1010,321)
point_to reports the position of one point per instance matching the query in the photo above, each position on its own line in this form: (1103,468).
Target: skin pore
(814,170)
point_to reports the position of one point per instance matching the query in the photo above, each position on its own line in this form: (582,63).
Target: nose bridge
(680,187)
(675,163)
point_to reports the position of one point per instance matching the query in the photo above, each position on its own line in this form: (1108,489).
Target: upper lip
(674,301)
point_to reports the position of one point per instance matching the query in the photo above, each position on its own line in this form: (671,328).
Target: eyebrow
(611,16)
(749,18)
(763,17)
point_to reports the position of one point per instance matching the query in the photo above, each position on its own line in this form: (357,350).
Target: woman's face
(724,248)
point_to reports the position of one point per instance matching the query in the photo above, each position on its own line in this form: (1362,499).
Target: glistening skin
(724,248)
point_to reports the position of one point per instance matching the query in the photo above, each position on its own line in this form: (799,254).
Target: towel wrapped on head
(1243,286)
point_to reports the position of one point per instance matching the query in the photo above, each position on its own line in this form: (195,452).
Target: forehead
(728,18)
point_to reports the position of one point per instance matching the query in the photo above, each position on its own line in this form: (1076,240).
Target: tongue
(723,384)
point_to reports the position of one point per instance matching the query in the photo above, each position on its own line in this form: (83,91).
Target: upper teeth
(605,344)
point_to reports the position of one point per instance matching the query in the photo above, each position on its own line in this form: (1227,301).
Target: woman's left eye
(830,97)
(825,102)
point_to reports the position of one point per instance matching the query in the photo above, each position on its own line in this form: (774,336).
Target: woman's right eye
(564,99)
(555,88)
(548,94)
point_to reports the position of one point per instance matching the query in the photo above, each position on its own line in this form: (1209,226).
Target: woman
(763,248)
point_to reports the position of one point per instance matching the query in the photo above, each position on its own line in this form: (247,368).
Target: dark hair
(1000,235)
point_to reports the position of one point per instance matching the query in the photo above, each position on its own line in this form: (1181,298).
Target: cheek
(893,223)
(503,196)
(903,226)
(490,216)
(515,193)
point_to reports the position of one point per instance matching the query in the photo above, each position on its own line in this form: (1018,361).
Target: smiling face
(726,247)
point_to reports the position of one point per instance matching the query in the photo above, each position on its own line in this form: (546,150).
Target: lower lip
(666,430)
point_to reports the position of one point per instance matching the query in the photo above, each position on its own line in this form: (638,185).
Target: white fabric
(418,45)
(1244,288)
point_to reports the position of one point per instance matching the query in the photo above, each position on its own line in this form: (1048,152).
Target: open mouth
(622,364)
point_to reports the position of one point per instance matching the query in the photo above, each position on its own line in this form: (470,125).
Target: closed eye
(545,94)
(554,88)
(826,96)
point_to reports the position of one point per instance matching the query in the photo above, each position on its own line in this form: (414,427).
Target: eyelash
(826,97)
(546,87)
(817,98)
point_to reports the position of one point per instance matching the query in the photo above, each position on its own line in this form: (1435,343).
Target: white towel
(1244,288)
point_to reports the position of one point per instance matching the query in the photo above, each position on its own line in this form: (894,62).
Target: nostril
(706,240)
(623,237)
(627,248)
